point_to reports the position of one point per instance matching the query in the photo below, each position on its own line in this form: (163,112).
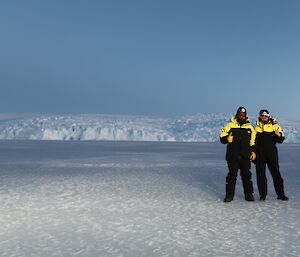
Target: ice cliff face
(196,128)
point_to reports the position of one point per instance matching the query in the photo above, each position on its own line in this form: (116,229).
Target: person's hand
(253,156)
(277,133)
(230,138)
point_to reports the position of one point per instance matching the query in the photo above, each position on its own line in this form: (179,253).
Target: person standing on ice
(239,135)
(268,133)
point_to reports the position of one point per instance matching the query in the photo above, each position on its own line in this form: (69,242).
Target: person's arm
(278,134)
(252,144)
(225,135)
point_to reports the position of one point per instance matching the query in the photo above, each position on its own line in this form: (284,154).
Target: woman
(268,133)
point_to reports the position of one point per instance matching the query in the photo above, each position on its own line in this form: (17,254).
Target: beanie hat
(264,112)
(241,109)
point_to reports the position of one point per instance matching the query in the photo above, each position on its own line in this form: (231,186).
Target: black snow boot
(228,199)
(283,198)
(250,198)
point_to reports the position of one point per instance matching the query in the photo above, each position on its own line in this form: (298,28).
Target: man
(239,135)
(268,134)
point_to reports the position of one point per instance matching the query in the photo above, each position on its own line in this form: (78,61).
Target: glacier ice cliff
(193,128)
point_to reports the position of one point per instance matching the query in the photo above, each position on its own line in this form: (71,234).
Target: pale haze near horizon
(158,58)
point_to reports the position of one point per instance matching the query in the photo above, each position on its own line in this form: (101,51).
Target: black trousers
(234,166)
(262,179)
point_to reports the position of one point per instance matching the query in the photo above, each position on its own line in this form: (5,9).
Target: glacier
(188,128)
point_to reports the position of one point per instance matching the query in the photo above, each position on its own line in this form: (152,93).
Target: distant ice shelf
(195,128)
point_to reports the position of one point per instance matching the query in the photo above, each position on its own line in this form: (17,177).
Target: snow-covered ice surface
(66,198)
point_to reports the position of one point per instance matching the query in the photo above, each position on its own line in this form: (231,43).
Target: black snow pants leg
(277,179)
(233,167)
(261,178)
(246,178)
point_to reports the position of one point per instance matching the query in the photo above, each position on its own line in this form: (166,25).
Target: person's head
(264,115)
(241,114)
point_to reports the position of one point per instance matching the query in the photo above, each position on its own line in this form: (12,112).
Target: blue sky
(158,58)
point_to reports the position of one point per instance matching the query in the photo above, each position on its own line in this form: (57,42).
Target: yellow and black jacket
(266,139)
(243,139)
